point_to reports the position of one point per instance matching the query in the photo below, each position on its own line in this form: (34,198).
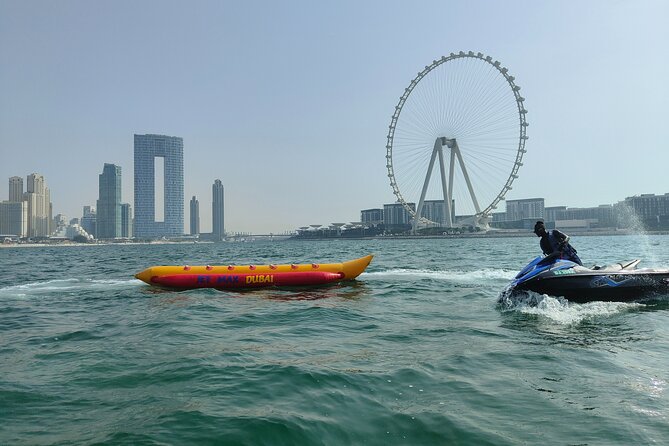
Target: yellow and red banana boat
(252,276)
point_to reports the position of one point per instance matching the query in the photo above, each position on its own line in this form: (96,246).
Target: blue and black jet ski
(617,282)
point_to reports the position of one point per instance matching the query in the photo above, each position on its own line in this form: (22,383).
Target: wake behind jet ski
(617,282)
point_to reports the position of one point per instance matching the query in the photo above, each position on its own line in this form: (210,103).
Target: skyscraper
(109,203)
(39,206)
(14,218)
(126,220)
(16,189)
(218,210)
(147,149)
(194,216)
(14,213)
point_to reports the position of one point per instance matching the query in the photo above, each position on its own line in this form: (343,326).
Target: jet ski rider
(555,242)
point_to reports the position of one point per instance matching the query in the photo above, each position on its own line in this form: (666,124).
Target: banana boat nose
(144,276)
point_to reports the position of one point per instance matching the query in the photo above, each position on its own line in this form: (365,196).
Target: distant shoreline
(486,235)
(75,244)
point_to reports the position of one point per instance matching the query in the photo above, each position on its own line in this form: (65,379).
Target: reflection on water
(347,290)
(350,290)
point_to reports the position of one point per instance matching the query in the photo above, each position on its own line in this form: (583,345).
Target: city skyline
(651,212)
(275,97)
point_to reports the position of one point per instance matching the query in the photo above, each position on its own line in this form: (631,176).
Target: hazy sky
(288,103)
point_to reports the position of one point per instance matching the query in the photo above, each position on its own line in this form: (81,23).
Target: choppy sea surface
(417,351)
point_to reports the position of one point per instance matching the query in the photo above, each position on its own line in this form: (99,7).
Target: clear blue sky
(288,103)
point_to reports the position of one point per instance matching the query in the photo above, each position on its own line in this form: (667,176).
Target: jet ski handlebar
(550,258)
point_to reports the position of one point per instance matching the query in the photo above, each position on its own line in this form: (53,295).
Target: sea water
(416,351)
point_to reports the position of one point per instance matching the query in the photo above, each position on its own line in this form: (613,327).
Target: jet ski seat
(617,266)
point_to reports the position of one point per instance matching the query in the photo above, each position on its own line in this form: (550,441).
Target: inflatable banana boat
(252,276)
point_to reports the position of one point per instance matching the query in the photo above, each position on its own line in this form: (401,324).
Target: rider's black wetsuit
(557,242)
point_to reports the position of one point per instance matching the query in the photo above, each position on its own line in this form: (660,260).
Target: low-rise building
(371,217)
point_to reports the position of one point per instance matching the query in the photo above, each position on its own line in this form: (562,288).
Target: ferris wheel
(467,108)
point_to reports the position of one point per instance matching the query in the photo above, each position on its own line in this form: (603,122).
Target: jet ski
(616,282)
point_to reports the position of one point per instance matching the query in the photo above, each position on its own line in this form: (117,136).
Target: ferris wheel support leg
(447,200)
(451,172)
(466,175)
(419,209)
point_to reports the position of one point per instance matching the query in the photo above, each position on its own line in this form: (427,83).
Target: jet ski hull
(600,287)
(617,282)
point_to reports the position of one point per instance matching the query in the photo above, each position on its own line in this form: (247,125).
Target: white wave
(648,412)
(448,275)
(562,311)
(67,285)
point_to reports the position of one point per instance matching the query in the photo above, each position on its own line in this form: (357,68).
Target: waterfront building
(59,226)
(194,216)
(396,217)
(602,216)
(126,220)
(434,210)
(60,220)
(39,206)
(149,150)
(31,203)
(89,220)
(14,218)
(524,209)
(497,217)
(371,217)
(218,210)
(16,189)
(109,203)
(554,213)
(650,210)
